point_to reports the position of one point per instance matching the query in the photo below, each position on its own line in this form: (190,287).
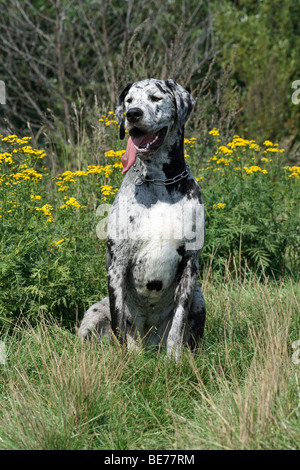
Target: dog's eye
(155,98)
(129,100)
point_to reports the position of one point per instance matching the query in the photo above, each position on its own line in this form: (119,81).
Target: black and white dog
(155,228)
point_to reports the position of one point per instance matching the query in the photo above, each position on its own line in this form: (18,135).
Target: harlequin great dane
(155,228)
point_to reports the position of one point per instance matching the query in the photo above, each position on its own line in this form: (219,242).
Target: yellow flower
(94,169)
(268,143)
(254,146)
(220,205)
(273,149)
(80,173)
(224,160)
(71,202)
(27,174)
(6,157)
(224,149)
(46,209)
(107,190)
(294,170)
(120,153)
(37,197)
(61,241)
(254,169)
(214,131)
(107,171)
(110,153)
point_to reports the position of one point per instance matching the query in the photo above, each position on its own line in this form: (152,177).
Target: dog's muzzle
(133,115)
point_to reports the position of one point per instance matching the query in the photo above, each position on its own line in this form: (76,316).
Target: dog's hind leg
(96,321)
(196,318)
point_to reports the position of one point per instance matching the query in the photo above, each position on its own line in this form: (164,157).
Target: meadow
(240,392)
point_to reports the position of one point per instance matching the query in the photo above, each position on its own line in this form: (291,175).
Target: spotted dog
(155,228)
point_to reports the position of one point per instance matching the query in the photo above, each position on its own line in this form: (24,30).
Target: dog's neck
(167,162)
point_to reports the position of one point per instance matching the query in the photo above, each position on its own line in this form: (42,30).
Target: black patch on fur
(154,285)
(120,118)
(181,250)
(160,88)
(124,93)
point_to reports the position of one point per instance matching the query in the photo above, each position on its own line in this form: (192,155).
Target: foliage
(58,54)
(262,40)
(252,207)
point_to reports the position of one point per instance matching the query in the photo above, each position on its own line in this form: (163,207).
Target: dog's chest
(158,233)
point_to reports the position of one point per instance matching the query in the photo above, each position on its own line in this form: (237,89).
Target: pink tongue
(129,156)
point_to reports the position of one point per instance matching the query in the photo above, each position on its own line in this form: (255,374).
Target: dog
(155,228)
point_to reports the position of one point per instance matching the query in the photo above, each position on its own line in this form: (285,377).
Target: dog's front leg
(116,291)
(183,298)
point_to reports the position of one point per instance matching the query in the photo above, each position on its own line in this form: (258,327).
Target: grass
(241,392)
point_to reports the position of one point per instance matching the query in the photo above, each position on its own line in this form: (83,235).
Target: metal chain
(141,178)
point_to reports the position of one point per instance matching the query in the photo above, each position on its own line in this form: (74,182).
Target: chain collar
(142,179)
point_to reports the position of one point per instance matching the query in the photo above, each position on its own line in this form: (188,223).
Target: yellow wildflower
(224,149)
(61,241)
(214,131)
(46,209)
(254,169)
(107,190)
(220,205)
(224,160)
(110,153)
(71,202)
(294,170)
(107,171)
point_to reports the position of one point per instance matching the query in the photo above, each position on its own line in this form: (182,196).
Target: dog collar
(142,179)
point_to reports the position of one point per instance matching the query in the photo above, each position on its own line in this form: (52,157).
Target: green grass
(241,392)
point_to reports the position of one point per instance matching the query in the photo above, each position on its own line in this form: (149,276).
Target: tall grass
(241,391)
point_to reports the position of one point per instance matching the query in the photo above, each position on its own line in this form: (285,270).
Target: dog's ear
(184,101)
(120,108)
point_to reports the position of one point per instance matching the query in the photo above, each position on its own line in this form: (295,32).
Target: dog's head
(149,109)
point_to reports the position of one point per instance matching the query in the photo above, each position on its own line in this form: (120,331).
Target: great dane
(155,228)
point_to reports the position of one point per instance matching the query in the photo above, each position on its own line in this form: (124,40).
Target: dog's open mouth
(147,142)
(140,142)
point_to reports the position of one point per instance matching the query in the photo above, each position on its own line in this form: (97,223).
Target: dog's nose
(134,114)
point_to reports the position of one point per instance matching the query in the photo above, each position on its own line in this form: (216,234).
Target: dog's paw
(174,350)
